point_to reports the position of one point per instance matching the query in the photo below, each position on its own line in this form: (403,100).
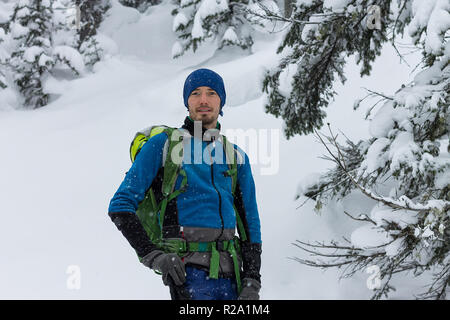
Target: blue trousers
(199,286)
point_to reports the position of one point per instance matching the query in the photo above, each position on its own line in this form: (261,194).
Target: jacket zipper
(218,193)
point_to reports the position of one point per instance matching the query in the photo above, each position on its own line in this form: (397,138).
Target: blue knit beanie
(206,78)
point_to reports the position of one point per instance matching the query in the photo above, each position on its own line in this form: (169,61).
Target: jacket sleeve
(132,190)
(248,210)
(138,179)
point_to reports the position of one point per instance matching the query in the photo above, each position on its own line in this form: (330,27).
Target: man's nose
(203,98)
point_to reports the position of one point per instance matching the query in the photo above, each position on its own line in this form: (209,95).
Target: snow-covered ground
(61,164)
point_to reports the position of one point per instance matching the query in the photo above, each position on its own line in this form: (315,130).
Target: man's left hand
(250,289)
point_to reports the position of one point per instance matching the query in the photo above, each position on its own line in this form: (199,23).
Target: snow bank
(119,17)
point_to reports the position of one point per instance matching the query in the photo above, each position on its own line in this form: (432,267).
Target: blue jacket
(207,201)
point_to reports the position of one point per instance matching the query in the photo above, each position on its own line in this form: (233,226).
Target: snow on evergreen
(31,28)
(141,5)
(92,14)
(402,166)
(433,16)
(37,39)
(71,57)
(227,22)
(179,21)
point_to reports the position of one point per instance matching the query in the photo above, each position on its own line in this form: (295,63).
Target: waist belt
(181,247)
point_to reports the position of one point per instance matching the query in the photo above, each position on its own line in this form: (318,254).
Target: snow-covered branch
(403,203)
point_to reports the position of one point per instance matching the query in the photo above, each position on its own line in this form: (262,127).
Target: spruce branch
(404,204)
(366,218)
(375,93)
(272,16)
(439,287)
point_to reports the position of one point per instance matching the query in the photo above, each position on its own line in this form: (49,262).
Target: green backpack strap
(231,157)
(227,245)
(171,168)
(171,172)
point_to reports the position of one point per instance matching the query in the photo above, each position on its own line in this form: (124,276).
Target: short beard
(207,120)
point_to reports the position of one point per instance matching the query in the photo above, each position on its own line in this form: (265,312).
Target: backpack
(151,213)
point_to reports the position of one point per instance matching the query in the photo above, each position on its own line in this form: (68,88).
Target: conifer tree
(403,168)
(91,15)
(313,54)
(131,3)
(225,21)
(35,54)
(31,26)
(139,4)
(2,61)
(2,79)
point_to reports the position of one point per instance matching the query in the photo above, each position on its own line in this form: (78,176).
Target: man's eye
(211,93)
(195,93)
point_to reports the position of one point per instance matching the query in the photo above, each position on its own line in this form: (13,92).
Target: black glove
(251,259)
(250,289)
(169,264)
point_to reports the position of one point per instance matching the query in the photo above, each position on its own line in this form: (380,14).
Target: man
(204,212)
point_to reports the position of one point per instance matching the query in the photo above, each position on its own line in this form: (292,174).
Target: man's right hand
(169,264)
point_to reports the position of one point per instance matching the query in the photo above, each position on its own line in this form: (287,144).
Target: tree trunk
(287,8)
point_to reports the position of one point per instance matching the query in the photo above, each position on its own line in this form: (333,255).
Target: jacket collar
(189,125)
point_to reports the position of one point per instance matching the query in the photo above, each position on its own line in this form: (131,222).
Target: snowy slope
(61,164)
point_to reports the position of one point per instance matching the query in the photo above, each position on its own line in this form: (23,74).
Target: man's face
(204,105)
